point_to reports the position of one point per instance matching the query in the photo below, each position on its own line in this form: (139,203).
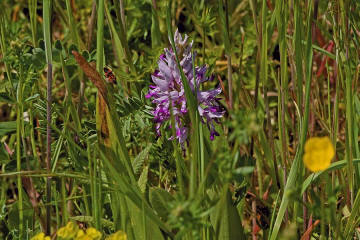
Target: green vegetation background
(288,69)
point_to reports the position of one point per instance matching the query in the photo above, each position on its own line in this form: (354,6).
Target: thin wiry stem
(18,161)
(122,11)
(47,37)
(228,57)
(230,81)
(91,24)
(48,147)
(99,68)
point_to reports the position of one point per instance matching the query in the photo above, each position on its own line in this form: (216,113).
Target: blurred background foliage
(136,181)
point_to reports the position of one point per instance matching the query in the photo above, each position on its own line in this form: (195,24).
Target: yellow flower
(84,237)
(93,233)
(69,231)
(40,236)
(119,235)
(80,234)
(319,152)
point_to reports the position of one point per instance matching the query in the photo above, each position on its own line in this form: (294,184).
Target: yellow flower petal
(93,233)
(71,226)
(119,235)
(69,231)
(39,236)
(319,152)
(80,233)
(84,237)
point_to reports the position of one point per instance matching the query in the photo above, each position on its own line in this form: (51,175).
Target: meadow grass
(104,137)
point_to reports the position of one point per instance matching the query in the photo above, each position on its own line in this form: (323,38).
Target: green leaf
(139,160)
(334,166)
(86,55)
(13,216)
(244,170)
(226,219)
(143,179)
(120,41)
(223,17)
(33,97)
(350,225)
(38,58)
(5,98)
(7,127)
(4,156)
(155,29)
(159,199)
(134,195)
(142,226)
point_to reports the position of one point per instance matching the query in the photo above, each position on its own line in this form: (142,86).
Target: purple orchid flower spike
(168,89)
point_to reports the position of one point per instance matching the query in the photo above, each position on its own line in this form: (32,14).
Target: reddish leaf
(306,235)
(91,73)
